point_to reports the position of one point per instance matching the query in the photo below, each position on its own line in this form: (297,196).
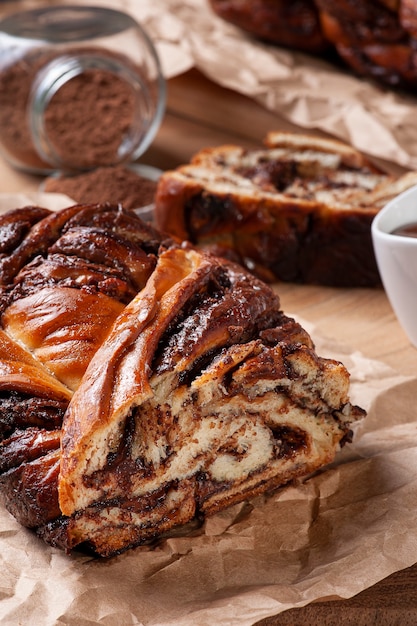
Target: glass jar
(80,87)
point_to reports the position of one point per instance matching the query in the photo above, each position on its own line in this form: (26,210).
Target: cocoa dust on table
(117,184)
(86,120)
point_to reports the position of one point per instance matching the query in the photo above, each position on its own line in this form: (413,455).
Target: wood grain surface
(392,602)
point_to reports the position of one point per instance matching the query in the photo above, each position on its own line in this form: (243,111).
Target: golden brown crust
(62,328)
(21,371)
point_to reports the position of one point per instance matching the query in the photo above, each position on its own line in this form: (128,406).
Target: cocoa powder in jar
(86,120)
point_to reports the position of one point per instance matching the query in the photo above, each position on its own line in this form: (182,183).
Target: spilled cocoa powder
(117,184)
(86,120)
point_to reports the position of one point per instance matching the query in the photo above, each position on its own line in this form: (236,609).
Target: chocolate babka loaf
(297,209)
(375,38)
(291,24)
(145,384)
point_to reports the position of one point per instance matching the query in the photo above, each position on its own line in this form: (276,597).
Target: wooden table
(199,114)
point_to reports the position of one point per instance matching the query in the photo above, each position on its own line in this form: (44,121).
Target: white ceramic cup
(396,257)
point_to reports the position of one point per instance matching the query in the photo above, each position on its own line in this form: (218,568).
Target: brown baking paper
(302,89)
(333,535)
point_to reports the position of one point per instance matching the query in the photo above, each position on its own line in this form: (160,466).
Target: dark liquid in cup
(408,230)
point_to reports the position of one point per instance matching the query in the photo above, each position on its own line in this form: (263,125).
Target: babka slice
(298,209)
(203,394)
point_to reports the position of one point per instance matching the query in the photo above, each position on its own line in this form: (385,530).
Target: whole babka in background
(375,38)
(291,24)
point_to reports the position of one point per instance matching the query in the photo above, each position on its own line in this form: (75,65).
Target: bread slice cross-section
(203,394)
(298,208)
